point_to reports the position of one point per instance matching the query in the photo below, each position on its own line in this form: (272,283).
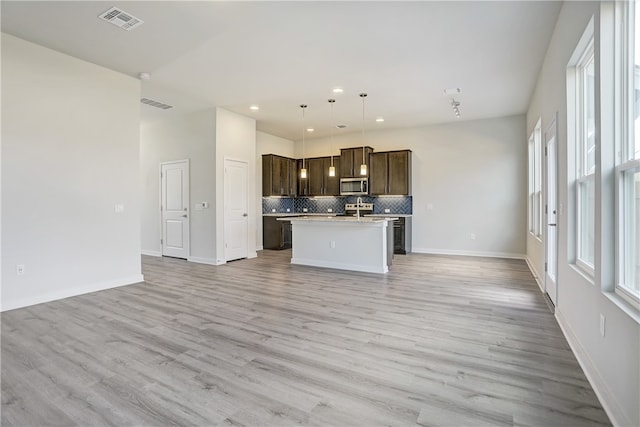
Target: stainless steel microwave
(354,186)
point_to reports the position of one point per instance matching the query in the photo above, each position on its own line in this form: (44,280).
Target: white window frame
(583,176)
(530,211)
(535,181)
(626,163)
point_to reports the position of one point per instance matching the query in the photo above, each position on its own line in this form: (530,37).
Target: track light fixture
(456,107)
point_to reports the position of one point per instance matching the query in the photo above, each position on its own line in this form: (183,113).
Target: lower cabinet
(402,236)
(275,234)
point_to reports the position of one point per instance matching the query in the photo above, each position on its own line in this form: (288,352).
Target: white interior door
(236,221)
(551,259)
(174,207)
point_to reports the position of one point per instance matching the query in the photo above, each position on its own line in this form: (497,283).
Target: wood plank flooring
(440,340)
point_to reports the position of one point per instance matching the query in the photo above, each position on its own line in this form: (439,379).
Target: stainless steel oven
(354,186)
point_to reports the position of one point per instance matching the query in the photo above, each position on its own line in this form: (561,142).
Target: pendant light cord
(303,106)
(332,101)
(363,95)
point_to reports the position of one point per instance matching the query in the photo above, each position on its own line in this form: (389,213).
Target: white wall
(184,137)
(235,140)
(612,362)
(267,144)
(472,173)
(70,153)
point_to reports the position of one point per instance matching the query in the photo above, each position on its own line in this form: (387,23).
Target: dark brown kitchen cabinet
(331,183)
(390,173)
(318,182)
(351,159)
(278,176)
(275,234)
(303,183)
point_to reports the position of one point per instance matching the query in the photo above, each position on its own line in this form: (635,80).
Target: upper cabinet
(318,181)
(278,176)
(390,173)
(351,159)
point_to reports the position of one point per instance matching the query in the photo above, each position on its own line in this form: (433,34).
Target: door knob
(184,216)
(244,214)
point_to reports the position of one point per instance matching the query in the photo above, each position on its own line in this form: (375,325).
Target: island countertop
(340,219)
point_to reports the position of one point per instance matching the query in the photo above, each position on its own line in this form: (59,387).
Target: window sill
(623,305)
(585,274)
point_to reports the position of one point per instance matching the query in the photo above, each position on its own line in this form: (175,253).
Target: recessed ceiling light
(337,90)
(452,91)
(379,119)
(254,107)
(310,129)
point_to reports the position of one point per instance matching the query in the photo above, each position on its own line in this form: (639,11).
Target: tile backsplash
(395,204)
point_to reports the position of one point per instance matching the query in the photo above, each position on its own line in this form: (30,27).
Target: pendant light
(363,166)
(303,171)
(332,169)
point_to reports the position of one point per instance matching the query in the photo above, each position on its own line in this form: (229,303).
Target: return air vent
(156,104)
(121,19)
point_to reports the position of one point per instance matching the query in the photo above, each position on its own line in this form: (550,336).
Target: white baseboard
(468,253)
(535,273)
(151,253)
(201,260)
(607,399)
(252,255)
(71,292)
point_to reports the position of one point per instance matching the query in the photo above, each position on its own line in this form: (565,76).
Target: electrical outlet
(387,210)
(288,210)
(602,324)
(20,269)
(473,236)
(429,206)
(329,210)
(273,210)
(332,244)
(305,210)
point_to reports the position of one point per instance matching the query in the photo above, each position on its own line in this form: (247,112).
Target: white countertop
(391,215)
(340,219)
(284,214)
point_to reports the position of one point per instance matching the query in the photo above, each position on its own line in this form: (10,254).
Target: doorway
(236,218)
(551,209)
(174,208)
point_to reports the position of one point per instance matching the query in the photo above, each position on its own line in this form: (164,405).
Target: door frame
(551,133)
(162,236)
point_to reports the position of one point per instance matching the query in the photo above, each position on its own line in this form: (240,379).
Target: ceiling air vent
(121,19)
(156,104)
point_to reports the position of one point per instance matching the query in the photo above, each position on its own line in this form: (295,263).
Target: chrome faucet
(358,203)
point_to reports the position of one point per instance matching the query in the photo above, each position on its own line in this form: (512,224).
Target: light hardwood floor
(440,340)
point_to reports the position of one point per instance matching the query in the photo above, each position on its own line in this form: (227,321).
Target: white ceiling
(232,54)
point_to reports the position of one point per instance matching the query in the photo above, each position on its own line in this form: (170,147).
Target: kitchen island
(343,242)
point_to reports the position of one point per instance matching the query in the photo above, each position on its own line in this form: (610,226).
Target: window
(535,181)
(628,154)
(585,146)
